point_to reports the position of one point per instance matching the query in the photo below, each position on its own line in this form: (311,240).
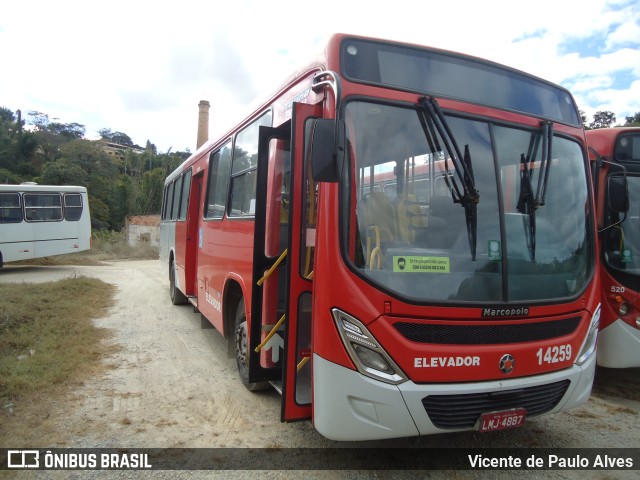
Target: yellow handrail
(275,265)
(271,334)
(302,363)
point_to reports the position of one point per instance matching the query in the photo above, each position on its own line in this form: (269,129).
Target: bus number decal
(617,289)
(555,354)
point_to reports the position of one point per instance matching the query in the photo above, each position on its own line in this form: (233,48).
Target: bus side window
(43,207)
(176,197)
(169,199)
(218,186)
(243,171)
(72,207)
(184,201)
(10,208)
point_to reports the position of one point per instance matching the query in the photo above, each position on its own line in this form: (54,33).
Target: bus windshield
(412,235)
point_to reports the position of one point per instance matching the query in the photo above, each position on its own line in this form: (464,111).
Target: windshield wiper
(527,202)
(432,120)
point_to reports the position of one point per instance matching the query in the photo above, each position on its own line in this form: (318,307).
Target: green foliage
(129,182)
(100,213)
(63,172)
(7,176)
(17,147)
(602,120)
(633,121)
(115,137)
(152,184)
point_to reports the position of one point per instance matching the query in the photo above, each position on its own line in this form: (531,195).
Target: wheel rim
(242,346)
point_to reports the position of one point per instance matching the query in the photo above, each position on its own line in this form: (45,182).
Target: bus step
(277,385)
(193,301)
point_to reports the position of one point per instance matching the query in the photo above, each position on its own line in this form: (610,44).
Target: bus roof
(29,187)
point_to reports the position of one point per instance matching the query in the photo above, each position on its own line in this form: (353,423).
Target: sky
(141,67)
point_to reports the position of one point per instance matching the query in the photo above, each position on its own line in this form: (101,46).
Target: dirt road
(174,385)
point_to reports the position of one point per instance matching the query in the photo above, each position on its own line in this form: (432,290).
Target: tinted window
(10,211)
(72,207)
(628,148)
(245,162)
(219,167)
(168,196)
(43,207)
(176,198)
(184,201)
(456,76)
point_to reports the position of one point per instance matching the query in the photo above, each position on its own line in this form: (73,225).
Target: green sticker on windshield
(410,264)
(494,250)
(626,256)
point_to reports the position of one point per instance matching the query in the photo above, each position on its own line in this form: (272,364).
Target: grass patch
(47,344)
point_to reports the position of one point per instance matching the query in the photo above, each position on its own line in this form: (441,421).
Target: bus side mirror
(618,194)
(327,149)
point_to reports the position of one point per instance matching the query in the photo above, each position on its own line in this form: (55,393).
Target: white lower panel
(351,406)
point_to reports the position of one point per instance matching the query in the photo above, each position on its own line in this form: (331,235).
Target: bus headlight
(591,340)
(366,353)
(372,359)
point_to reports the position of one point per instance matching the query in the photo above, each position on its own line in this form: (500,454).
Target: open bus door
(281,301)
(191,254)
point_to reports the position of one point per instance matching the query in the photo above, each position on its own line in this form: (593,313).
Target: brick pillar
(203,123)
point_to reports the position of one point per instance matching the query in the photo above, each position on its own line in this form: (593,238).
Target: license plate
(501,420)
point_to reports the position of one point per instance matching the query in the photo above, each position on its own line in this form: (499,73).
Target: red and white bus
(468,298)
(616,154)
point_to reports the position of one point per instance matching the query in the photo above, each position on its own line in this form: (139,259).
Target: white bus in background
(43,220)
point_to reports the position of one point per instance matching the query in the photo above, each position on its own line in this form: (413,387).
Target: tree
(583,118)
(70,131)
(63,172)
(150,147)
(101,177)
(151,191)
(120,138)
(9,177)
(52,135)
(603,120)
(17,147)
(633,121)
(53,152)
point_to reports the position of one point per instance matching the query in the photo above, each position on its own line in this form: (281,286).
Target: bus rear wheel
(242,349)
(177,297)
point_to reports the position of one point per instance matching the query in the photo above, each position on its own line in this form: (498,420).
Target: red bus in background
(397,230)
(616,154)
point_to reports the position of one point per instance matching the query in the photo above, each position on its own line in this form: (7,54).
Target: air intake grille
(463,411)
(486,334)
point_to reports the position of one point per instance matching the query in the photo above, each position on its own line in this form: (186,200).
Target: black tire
(241,341)
(177,297)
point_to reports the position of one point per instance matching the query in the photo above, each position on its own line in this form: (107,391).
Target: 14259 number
(555,354)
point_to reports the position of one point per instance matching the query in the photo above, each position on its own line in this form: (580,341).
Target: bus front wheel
(242,349)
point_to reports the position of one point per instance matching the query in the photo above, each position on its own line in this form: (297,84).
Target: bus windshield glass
(412,235)
(455,76)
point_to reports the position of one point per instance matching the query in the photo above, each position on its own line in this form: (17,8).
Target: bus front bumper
(350,406)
